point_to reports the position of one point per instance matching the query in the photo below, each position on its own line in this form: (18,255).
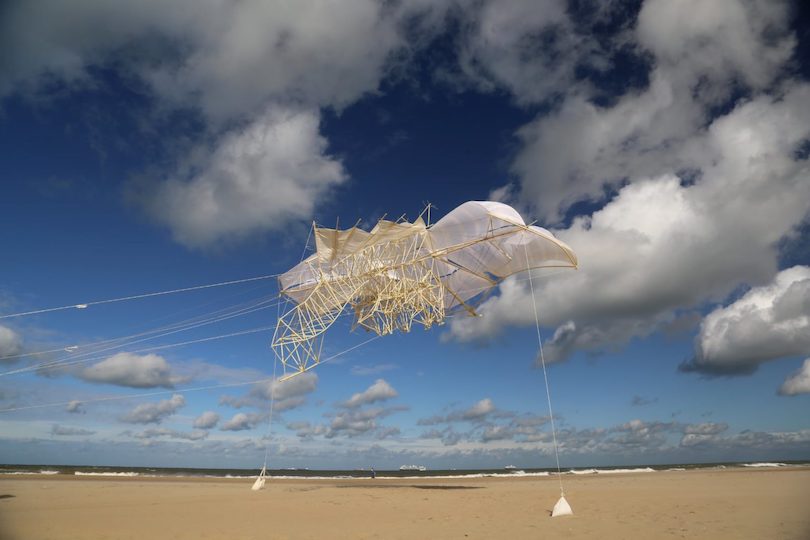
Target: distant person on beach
(373,473)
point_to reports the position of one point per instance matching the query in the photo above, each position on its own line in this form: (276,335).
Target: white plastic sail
(259,483)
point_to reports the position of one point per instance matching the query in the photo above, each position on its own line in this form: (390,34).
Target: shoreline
(83,471)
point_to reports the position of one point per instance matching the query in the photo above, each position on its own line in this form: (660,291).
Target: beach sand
(716,504)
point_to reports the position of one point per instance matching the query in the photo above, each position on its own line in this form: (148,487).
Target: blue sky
(152,147)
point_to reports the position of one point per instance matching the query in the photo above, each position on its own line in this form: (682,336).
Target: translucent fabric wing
(402,273)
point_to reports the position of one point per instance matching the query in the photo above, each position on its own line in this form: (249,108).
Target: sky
(155,146)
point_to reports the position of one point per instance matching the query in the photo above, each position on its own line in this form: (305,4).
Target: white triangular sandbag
(562,508)
(259,483)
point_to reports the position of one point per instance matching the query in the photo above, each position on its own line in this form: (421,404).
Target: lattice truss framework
(403,273)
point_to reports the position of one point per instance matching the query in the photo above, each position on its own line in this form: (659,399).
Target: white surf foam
(611,471)
(79,473)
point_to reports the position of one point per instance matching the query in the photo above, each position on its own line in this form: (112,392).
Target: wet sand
(717,504)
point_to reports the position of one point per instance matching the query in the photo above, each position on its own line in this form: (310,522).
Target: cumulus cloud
(256,179)
(227,58)
(798,382)
(488,424)
(448,436)
(702,434)
(75,407)
(306,430)
(768,322)
(59,430)
(131,370)
(206,420)
(683,177)
(379,391)
(227,61)
(479,410)
(355,422)
(571,154)
(10,344)
(530,48)
(355,418)
(156,433)
(496,433)
(638,433)
(154,413)
(638,253)
(241,422)
(476,413)
(288,394)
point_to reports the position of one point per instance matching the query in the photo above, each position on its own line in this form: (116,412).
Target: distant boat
(510,467)
(420,468)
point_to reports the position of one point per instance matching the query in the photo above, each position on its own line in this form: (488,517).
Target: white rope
(118,343)
(83,349)
(545,375)
(85,305)
(146,349)
(178,390)
(269,432)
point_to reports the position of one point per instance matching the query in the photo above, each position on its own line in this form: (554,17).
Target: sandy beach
(732,503)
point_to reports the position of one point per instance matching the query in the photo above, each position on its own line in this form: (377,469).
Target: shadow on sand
(391,486)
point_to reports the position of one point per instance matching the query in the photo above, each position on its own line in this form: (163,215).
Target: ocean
(125,471)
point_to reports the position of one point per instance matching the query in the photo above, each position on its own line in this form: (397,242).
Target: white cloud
(131,370)
(241,422)
(718,41)
(75,407)
(768,322)
(379,391)
(154,413)
(305,430)
(448,436)
(155,433)
(265,66)
(706,428)
(228,58)
(497,433)
(662,245)
(530,48)
(254,180)
(476,413)
(288,394)
(355,422)
(10,343)
(308,52)
(66,431)
(702,434)
(798,382)
(571,154)
(479,410)
(206,420)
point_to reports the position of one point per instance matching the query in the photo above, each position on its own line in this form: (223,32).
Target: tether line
(545,375)
(85,305)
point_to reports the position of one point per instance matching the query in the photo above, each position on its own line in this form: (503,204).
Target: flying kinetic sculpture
(400,274)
